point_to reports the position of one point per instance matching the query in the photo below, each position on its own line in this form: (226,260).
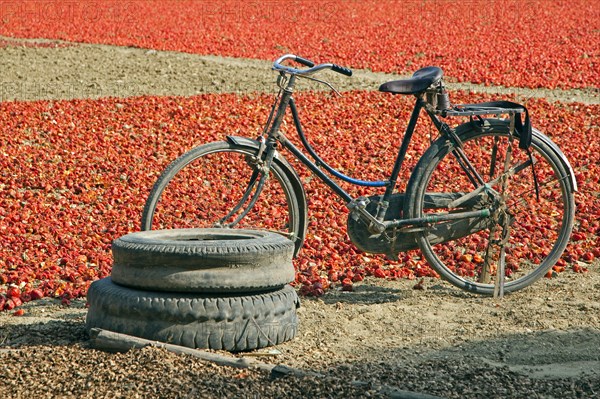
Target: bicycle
(490,203)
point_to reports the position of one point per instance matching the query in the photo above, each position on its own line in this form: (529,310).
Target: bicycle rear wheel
(527,231)
(213,186)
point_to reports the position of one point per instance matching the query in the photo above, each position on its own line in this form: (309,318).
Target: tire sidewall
(218,322)
(203,260)
(417,186)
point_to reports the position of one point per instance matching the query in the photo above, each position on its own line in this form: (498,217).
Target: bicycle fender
(560,155)
(248,143)
(541,136)
(290,173)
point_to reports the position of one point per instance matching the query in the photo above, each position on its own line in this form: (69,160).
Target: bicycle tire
(219,322)
(539,229)
(204,184)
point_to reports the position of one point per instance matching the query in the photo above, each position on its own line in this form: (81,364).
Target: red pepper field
(74,174)
(525,43)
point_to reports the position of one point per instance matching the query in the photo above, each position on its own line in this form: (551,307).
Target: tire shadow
(380,291)
(45,323)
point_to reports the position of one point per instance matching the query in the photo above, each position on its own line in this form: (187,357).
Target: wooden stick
(111,341)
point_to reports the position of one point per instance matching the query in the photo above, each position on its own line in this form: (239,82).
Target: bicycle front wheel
(214,186)
(529,196)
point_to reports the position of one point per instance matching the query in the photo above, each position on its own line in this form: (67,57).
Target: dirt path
(74,70)
(541,342)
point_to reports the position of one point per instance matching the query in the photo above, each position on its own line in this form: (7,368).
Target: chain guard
(391,242)
(394,241)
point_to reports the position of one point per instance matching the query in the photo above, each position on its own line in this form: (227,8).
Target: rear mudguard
(498,124)
(292,176)
(561,156)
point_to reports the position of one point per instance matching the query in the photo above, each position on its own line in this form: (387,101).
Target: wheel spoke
(241,202)
(219,185)
(524,236)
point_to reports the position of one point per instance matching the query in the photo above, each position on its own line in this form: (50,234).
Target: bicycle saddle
(420,81)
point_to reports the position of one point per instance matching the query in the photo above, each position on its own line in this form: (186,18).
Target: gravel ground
(539,343)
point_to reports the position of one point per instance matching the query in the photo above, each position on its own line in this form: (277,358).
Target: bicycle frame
(376,223)
(446,198)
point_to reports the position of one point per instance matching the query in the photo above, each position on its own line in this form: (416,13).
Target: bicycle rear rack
(476,110)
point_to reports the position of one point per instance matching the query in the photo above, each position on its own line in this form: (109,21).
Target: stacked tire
(222,289)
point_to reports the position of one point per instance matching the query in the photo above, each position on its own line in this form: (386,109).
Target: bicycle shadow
(373,291)
(549,362)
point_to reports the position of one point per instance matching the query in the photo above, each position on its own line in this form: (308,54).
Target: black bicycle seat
(420,81)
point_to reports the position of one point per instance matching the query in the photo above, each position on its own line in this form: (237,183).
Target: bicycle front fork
(256,183)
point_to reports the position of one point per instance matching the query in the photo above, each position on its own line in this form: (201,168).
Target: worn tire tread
(170,261)
(232,323)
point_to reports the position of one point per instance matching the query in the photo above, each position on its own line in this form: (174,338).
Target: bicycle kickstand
(501,270)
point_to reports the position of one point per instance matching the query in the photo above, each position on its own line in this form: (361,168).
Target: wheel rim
(206,188)
(539,230)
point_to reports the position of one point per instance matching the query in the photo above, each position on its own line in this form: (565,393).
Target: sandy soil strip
(39,69)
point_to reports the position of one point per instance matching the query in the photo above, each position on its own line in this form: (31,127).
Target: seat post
(443,100)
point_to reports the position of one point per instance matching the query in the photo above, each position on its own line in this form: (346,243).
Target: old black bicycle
(490,203)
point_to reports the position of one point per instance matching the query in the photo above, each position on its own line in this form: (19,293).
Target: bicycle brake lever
(281,79)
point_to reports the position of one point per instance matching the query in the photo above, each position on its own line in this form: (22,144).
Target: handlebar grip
(305,62)
(342,70)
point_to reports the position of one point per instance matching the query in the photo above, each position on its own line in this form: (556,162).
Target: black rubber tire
(550,163)
(203,260)
(232,323)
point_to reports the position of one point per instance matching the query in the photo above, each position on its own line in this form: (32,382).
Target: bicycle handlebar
(305,62)
(341,69)
(311,66)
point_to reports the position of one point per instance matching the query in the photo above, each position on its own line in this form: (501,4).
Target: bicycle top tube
(312,68)
(321,162)
(358,182)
